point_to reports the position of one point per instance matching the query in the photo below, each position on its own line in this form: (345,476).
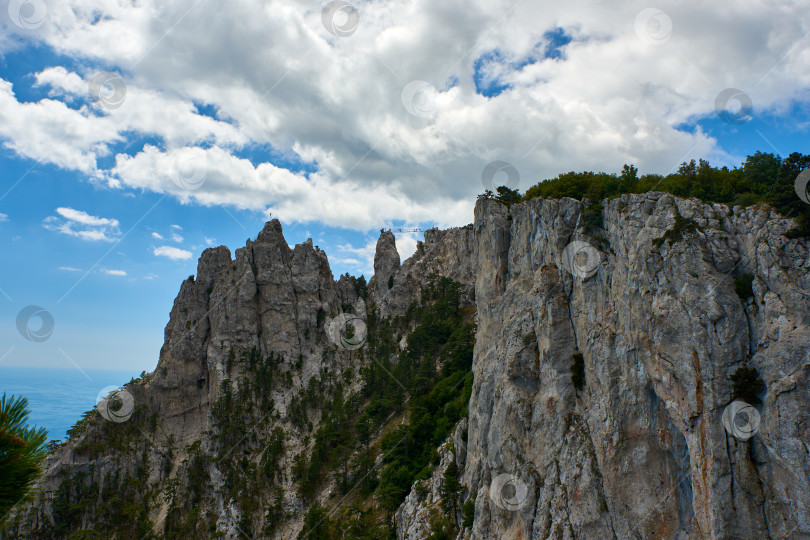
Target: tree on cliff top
(22,450)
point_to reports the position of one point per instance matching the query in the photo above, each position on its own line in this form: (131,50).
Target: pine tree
(451,489)
(22,450)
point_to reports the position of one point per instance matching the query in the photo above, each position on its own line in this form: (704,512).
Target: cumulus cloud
(83,225)
(3,217)
(177,238)
(121,273)
(157,236)
(333,131)
(172,252)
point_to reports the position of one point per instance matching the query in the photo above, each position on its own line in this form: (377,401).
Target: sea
(57,397)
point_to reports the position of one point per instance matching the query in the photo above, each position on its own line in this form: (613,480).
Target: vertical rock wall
(640,451)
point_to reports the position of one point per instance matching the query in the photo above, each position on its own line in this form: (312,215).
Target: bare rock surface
(640,451)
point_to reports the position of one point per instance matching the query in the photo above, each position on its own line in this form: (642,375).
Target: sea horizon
(57,397)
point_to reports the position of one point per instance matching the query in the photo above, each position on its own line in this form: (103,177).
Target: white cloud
(177,238)
(114,272)
(349,262)
(3,217)
(406,244)
(173,253)
(336,103)
(177,227)
(363,255)
(150,276)
(157,236)
(69,269)
(83,225)
(210,242)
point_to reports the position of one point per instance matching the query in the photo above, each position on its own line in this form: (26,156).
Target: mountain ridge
(248,335)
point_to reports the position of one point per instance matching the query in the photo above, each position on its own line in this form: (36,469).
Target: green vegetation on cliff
(762,178)
(428,383)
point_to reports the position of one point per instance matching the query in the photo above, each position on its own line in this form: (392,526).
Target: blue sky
(205,122)
(110,321)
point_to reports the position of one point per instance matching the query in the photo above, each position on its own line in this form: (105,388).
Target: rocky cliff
(610,373)
(632,443)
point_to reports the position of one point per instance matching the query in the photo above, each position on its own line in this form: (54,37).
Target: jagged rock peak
(271,238)
(212,262)
(386,268)
(272,229)
(386,258)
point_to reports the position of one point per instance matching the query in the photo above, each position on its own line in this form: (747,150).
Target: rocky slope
(602,369)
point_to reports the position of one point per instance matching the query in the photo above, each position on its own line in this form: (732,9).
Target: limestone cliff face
(640,451)
(268,297)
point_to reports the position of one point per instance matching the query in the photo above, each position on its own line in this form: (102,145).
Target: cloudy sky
(136,133)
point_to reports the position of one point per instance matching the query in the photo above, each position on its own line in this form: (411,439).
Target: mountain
(514,378)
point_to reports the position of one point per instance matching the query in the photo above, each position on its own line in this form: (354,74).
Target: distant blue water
(58,397)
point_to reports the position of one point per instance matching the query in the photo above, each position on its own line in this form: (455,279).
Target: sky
(134,134)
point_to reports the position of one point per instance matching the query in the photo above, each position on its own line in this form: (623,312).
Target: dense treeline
(429,382)
(435,367)
(762,178)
